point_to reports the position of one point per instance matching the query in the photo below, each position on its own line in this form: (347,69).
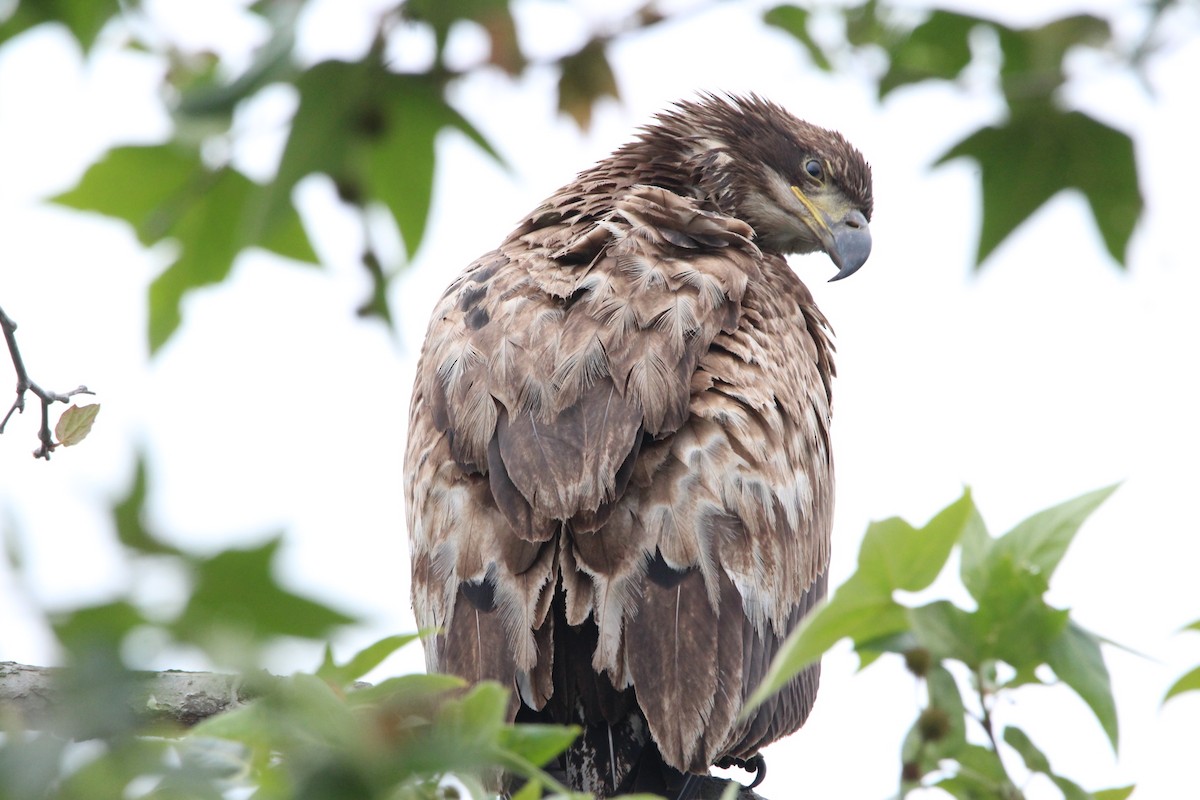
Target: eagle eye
(813,168)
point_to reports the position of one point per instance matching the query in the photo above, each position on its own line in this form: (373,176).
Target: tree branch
(31,695)
(24,384)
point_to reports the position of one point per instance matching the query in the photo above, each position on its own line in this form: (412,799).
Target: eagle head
(801,187)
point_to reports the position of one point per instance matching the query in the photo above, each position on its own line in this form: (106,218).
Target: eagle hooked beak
(847,241)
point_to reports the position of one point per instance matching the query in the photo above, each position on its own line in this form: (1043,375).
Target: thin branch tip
(25,384)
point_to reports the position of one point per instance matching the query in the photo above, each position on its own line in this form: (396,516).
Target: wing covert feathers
(625,408)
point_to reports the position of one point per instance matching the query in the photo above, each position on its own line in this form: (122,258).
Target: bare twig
(24,384)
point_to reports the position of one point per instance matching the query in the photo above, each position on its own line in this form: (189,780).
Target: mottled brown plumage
(619,480)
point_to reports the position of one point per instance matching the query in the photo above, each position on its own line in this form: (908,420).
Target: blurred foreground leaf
(586,78)
(83,20)
(1042,151)
(363,662)
(166,192)
(372,131)
(237,600)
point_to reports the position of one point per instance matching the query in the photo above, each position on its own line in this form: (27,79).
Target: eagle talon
(756,764)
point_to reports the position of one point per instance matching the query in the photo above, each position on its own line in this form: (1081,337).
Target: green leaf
(441,16)
(864,25)
(250,724)
(1076,659)
(1187,683)
(75,424)
(484,708)
(857,610)
(167,192)
(945,696)
(1041,151)
(1035,546)
(1039,543)
(979,776)
(83,20)
(1012,622)
(1035,759)
(363,661)
(1032,70)
(939,48)
(97,692)
(530,791)
(97,626)
(419,688)
(373,132)
(1070,789)
(586,77)
(1117,793)
(537,743)
(894,555)
(29,764)
(109,775)
(947,632)
(237,601)
(139,184)
(214,226)
(398,167)
(209,93)
(794,20)
(1008,577)
(129,522)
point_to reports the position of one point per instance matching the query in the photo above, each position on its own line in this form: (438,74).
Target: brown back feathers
(618,463)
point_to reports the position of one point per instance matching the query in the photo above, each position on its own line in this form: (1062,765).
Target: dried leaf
(75,424)
(586,77)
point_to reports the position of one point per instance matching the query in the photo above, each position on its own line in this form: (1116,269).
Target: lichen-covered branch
(30,695)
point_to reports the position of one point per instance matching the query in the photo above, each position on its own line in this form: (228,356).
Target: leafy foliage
(372,130)
(167,192)
(321,734)
(313,734)
(1042,149)
(368,128)
(995,648)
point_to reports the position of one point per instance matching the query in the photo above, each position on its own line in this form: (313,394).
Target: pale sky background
(272,409)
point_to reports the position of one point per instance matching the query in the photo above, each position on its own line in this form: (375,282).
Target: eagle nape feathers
(619,479)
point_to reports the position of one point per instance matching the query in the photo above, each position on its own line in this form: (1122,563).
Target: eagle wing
(625,416)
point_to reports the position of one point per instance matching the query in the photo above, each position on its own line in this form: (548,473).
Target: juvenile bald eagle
(619,481)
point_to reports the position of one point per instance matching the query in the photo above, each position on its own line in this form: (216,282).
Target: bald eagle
(619,480)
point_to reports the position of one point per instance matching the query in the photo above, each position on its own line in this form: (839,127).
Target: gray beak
(849,245)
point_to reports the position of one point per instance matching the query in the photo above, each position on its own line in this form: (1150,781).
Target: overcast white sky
(1049,375)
